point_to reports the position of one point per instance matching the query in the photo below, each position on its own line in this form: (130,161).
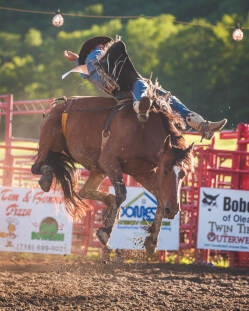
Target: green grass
(220,262)
(225,144)
(222,144)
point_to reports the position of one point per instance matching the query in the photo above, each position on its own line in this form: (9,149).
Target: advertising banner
(34,221)
(223,220)
(136,214)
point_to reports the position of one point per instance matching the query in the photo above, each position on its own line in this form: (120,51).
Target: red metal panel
(213,168)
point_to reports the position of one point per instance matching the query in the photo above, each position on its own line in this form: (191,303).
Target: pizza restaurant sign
(34,221)
(223,220)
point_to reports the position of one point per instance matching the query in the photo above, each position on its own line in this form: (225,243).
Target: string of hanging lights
(238,33)
(58,20)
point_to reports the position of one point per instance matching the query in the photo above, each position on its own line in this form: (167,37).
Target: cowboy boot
(142,108)
(205,128)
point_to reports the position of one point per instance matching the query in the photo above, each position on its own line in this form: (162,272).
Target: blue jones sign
(136,214)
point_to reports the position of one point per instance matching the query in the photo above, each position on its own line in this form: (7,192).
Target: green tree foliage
(184,10)
(33,38)
(203,66)
(206,69)
(144,36)
(9,45)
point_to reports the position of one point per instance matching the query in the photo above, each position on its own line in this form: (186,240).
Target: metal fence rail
(213,168)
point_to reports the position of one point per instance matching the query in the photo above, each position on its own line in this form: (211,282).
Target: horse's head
(170,173)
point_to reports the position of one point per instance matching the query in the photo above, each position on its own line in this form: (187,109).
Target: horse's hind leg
(112,168)
(39,168)
(40,160)
(50,140)
(46,179)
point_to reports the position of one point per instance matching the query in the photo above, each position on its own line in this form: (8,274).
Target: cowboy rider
(95,51)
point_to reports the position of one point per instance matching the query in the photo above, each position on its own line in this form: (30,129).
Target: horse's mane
(174,125)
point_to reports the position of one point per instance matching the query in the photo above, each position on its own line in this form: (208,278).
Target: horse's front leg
(112,168)
(149,182)
(151,240)
(90,190)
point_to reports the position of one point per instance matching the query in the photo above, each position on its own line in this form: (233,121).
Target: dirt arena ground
(59,283)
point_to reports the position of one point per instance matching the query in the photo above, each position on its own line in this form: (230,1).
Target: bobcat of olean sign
(209,200)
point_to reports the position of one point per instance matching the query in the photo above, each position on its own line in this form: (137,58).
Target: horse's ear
(190,148)
(185,152)
(167,144)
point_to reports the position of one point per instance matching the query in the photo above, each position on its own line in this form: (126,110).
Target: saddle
(68,102)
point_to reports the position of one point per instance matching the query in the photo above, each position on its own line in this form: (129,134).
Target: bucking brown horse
(154,153)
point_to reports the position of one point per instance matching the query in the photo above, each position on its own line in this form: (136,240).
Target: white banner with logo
(137,212)
(34,221)
(223,220)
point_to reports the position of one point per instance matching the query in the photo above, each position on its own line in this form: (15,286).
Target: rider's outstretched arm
(73,57)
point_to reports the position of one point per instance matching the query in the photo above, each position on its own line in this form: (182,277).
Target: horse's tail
(65,173)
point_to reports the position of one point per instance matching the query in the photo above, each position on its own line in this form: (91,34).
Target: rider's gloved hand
(69,55)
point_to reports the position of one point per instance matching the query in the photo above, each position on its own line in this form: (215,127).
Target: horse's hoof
(35,169)
(45,182)
(150,245)
(102,235)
